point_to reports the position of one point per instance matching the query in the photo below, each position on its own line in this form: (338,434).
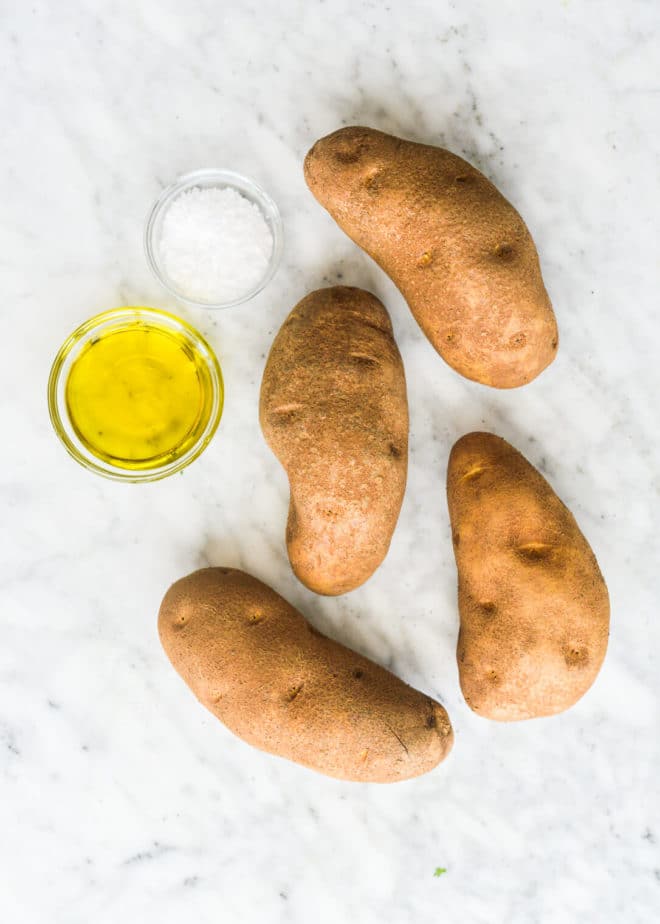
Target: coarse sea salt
(215,245)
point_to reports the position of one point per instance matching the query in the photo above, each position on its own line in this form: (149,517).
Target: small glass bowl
(71,349)
(205,179)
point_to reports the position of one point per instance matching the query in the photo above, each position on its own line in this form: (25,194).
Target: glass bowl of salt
(213,238)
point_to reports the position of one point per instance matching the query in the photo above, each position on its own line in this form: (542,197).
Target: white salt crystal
(215,244)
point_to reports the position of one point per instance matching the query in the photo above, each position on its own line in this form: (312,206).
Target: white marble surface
(122,799)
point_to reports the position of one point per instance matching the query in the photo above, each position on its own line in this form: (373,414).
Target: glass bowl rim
(228,178)
(58,414)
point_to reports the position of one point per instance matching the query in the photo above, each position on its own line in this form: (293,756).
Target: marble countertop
(122,799)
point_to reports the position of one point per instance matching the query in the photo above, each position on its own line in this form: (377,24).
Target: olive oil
(139,395)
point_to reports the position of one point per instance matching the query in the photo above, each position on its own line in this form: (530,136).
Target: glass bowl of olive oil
(135,394)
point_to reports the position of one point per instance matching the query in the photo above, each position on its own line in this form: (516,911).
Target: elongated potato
(533,604)
(334,411)
(459,252)
(277,683)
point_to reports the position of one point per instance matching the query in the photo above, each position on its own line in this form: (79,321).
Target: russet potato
(458,251)
(333,409)
(257,664)
(534,608)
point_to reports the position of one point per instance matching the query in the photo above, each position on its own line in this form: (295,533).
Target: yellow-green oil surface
(139,395)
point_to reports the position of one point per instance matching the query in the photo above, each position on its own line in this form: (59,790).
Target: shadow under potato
(355,268)
(345,619)
(461,131)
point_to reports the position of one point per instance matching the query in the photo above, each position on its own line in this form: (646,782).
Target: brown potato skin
(458,251)
(333,409)
(257,664)
(533,604)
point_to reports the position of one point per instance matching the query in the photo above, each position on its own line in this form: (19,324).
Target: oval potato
(272,679)
(458,251)
(533,604)
(334,410)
